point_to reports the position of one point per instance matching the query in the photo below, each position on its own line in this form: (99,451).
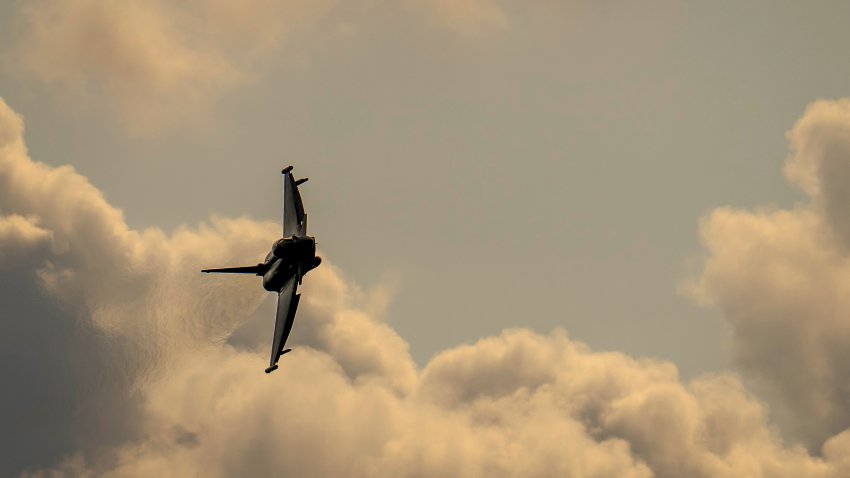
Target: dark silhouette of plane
(290,259)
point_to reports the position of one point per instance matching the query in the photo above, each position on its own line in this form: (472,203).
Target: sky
(561,238)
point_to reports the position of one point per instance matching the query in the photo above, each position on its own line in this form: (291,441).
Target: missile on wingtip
(274,367)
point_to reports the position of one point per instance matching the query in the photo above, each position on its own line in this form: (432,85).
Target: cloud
(139,55)
(84,298)
(24,237)
(782,280)
(132,354)
(820,162)
(163,64)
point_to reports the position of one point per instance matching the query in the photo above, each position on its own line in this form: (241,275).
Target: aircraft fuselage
(288,256)
(291,257)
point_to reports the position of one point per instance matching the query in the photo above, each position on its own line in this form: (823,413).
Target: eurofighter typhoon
(290,259)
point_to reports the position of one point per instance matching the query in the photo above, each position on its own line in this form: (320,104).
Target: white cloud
(781,279)
(140,55)
(161,64)
(24,237)
(157,388)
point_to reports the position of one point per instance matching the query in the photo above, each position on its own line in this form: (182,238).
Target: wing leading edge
(287,303)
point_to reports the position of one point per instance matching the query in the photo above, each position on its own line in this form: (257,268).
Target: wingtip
(274,367)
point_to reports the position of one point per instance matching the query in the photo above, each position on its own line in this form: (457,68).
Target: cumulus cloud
(137,54)
(144,376)
(782,280)
(22,236)
(161,64)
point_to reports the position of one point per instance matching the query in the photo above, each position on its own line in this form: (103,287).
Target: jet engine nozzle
(314,264)
(294,246)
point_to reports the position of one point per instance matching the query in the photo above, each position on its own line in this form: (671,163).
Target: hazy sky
(543,171)
(475,166)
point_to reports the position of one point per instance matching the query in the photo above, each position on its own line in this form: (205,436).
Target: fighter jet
(290,259)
